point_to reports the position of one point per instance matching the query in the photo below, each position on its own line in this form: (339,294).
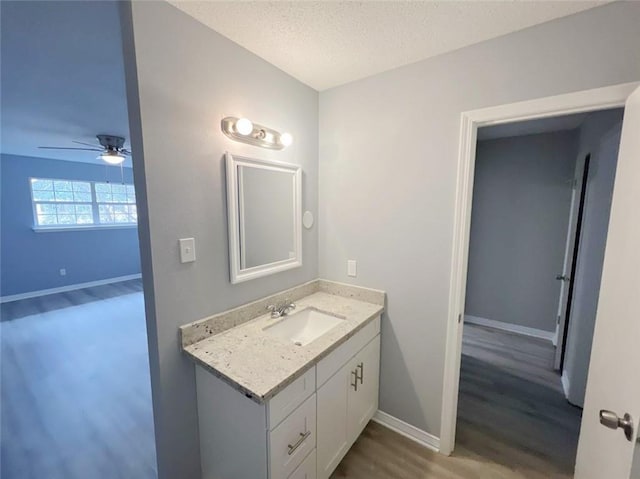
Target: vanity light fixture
(286,139)
(242,129)
(243,126)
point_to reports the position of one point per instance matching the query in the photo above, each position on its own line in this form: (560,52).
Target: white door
(635,469)
(614,380)
(564,277)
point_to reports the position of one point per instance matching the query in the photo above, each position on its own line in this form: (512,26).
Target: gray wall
(32,261)
(521,201)
(600,136)
(183,79)
(388,155)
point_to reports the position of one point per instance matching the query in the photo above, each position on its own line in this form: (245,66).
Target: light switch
(187,250)
(352,268)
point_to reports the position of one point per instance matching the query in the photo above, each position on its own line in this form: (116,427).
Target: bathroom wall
(388,156)
(182,79)
(32,261)
(600,137)
(521,201)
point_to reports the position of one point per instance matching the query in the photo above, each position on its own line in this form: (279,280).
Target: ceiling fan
(112,148)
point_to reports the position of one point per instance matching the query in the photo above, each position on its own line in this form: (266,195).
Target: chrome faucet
(281,309)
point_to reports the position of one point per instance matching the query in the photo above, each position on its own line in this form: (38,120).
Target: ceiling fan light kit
(112,157)
(245,131)
(111,148)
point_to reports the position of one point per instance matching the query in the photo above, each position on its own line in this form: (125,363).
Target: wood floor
(75,388)
(52,302)
(76,401)
(513,421)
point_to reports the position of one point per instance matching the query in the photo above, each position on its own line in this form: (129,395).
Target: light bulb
(112,157)
(244,126)
(286,139)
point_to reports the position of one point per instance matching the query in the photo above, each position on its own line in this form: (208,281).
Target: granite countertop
(259,364)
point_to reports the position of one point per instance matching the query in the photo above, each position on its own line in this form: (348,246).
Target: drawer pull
(303,436)
(354,384)
(361,368)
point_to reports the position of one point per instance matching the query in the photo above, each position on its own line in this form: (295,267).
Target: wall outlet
(63,272)
(352,268)
(187,250)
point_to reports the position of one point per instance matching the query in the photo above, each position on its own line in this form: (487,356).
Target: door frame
(571,257)
(577,102)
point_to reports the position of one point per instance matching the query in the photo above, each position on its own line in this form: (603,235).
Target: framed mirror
(264,202)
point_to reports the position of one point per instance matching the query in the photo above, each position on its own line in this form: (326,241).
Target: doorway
(531,180)
(594,100)
(75,389)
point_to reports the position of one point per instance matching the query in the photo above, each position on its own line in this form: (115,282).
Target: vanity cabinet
(362,402)
(346,403)
(302,432)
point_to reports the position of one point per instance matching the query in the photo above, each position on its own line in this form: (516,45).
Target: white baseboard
(407,430)
(512,328)
(70,287)
(564,379)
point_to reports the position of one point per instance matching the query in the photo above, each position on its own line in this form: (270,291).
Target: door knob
(611,420)
(562,277)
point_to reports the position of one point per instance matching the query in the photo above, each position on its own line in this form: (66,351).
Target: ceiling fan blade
(65,148)
(124,151)
(83,143)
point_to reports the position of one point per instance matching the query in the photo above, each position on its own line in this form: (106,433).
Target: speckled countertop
(259,364)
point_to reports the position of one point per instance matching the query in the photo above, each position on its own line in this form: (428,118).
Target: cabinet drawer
(292,440)
(338,358)
(306,470)
(283,403)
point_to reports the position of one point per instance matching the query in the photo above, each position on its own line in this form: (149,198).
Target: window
(116,203)
(66,204)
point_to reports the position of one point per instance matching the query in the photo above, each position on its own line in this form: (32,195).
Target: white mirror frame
(238,274)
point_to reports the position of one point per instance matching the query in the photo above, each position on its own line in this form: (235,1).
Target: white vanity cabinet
(346,402)
(302,432)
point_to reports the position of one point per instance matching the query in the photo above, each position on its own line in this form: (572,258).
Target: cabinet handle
(303,436)
(361,368)
(354,384)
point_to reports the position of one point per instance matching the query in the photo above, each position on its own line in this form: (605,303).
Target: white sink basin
(304,326)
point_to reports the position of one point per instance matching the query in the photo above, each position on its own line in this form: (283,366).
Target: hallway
(511,407)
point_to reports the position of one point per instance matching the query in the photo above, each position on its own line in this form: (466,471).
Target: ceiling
(532,127)
(62,72)
(62,77)
(325,44)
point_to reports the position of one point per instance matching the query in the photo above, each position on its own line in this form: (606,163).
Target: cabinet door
(332,429)
(363,396)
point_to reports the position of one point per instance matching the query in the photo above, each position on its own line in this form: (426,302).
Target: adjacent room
(75,382)
(541,203)
(328,240)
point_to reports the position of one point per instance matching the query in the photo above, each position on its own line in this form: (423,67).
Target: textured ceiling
(325,44)
(63,74)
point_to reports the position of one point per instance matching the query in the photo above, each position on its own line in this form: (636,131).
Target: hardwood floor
(513,421)
(52,302)
(75,387)
(76,404)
